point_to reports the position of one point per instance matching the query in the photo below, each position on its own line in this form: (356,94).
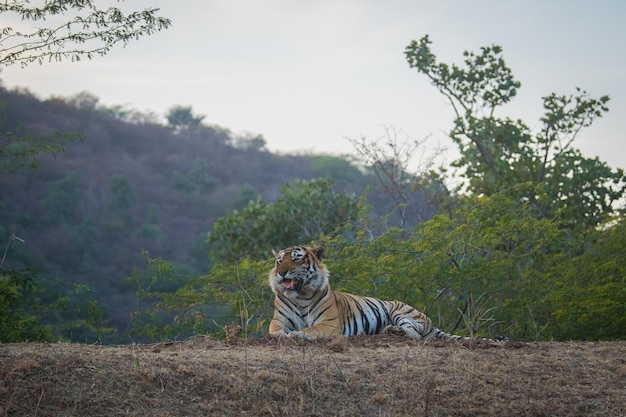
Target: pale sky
(307,75)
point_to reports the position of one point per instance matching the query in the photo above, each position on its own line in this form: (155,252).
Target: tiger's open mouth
(289,284)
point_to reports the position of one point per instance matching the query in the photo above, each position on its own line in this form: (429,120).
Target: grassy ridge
(364,376)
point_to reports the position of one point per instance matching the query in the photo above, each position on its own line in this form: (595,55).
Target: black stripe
(311,308)
(380,312)
(342,303)
(356,313)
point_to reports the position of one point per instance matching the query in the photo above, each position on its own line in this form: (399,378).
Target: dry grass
(359,376)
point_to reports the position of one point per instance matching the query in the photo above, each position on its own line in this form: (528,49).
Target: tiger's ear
(320,252)
(274,253)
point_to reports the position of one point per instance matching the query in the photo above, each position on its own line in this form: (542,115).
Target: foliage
(482,261)
(151,228)
(122,194)
(476,275)
(498,153)
(58,193)
(250,142)
(242,288)
(336,167)
(89,31)
(197,179)
(236,289)
(302,212)
(145,320)
(541,184)
(27,303)
(246,194)
(588,301)
(20,318)
(494,271)
(181,119)
(19,151)
(171,306)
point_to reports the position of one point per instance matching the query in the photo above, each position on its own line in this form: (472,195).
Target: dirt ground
(357,376)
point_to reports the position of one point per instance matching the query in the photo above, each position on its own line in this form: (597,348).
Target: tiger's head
(298,271)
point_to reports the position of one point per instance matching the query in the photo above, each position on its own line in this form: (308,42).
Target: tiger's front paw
(298,334)
(278,334)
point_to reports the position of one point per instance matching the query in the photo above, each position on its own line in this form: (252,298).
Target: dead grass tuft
(357,376)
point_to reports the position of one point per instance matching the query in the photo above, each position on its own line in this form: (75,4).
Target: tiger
(306,307)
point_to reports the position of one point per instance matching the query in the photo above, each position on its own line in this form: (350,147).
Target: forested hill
(132,185)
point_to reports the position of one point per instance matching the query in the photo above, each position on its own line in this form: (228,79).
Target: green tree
(151,229)
(20,315)
(122,194)
(63,198)
(331,166)
(246,194)
(302,212)
(20,318)
(550,277)
(588,300)
(197,179)
(121,199)
(182,119)
(171,306)
(502,154)
(250,142)
(27,304)
(85,30)
(88,239)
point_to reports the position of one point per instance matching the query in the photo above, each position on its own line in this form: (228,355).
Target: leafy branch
(89,33)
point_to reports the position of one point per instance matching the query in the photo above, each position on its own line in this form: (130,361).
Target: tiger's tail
(440,334)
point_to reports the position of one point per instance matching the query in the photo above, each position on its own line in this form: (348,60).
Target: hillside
(359,376)
(131,185)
